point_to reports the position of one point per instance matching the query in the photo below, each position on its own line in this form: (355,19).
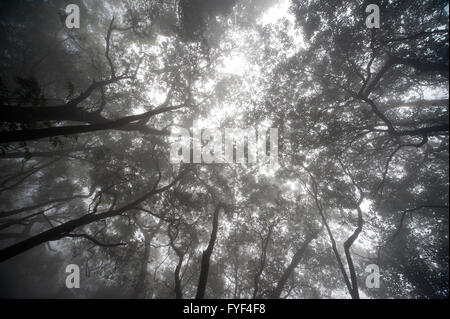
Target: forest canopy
(361,181)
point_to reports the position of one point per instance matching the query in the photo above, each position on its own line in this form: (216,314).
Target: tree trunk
(139,289)
(294,263)
(204,270)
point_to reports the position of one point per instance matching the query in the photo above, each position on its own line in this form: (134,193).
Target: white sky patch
(238,63)
(275,13)
(366,205)
(435,92)
(235,64)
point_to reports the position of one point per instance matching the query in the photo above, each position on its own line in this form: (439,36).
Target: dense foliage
(85,121)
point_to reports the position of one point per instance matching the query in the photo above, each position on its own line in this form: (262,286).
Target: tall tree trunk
(262,263)
(294,263)
(204,270)
(347,245)
(178,289)
(351,283)
(139,289)
(180,253)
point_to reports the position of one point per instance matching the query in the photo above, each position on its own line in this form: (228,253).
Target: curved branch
(95,241)
(62,230)
(59,200)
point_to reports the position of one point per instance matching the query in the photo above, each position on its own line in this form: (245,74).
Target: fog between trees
(86,178)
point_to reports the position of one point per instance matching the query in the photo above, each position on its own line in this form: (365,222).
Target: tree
(362,177)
